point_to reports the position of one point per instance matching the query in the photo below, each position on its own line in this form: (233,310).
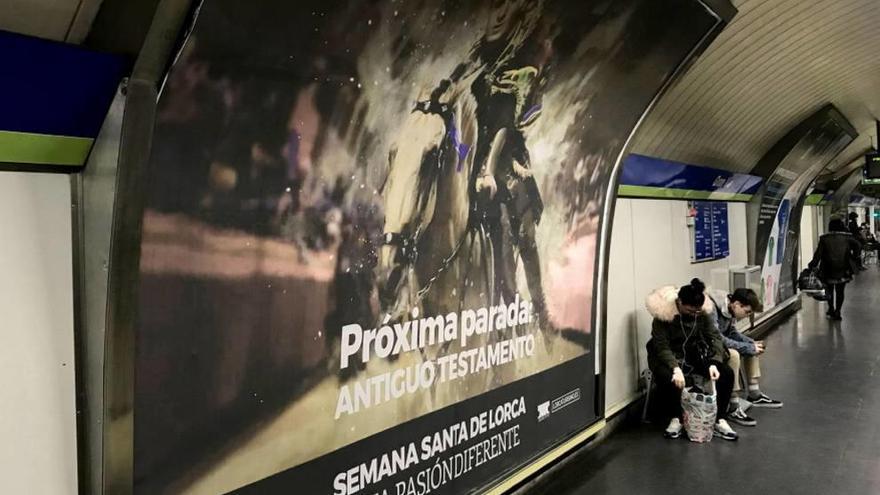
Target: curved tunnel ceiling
(775,64)
(59,20)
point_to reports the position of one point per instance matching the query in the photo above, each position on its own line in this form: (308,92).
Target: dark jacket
(668,332)
(836,257)
(854,229)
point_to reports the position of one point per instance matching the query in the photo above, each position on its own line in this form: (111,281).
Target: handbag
(809,281)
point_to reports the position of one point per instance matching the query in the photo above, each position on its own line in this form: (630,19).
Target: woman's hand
(713,372)
(677,377)
(759,347)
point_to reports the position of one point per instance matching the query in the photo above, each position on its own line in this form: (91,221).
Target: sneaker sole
(671,436)
(767,406)
(731,438)
(742,423)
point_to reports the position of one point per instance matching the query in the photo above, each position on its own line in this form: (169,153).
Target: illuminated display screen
(872,166)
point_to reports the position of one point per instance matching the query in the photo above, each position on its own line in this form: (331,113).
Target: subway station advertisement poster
(821,138)
(369,244)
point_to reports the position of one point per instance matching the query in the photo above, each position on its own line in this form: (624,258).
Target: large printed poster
(782,198)
(370,238)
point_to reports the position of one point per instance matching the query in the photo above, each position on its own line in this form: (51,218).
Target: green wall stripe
(668,193)
(814,199)
(29,148)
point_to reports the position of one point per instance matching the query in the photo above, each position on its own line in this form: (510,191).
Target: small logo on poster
(565,400)
(543,410)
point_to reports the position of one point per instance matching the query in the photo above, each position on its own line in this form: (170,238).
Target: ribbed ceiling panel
(60,20)
(49,19)
(774,65)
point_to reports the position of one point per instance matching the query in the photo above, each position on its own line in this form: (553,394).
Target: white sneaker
(723,430)
(674,429)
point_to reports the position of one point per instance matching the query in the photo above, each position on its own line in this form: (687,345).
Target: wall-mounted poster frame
(160,389)
(774,213)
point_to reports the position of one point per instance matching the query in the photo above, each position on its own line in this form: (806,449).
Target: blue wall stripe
(646,171)
(54,88)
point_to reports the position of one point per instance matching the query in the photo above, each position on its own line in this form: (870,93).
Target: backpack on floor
(700,409)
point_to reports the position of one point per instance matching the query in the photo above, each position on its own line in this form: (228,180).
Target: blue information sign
(703,231)
(720,231)
(711,232)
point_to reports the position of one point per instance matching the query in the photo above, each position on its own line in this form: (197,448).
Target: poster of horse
(369,248)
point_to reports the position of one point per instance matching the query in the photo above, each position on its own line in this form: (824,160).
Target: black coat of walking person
(837,260)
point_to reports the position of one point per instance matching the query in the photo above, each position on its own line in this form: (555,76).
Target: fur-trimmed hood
(661,303)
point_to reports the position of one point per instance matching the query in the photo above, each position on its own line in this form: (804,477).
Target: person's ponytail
(693,293)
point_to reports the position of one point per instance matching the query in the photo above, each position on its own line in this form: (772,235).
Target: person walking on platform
(741,350)
(684,343)
(836,259)
(853,227)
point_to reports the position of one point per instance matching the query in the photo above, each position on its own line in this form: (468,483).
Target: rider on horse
(510,63)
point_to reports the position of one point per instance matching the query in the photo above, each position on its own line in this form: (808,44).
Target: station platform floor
(826,439)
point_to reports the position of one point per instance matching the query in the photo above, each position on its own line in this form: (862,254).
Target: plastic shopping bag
(700,409)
